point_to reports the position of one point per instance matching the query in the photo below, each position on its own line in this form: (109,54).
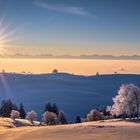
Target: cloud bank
(51,56)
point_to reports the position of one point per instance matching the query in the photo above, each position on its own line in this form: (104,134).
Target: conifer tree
(78,119)
(6,107)
(62,119)
(22,111)
(55,109)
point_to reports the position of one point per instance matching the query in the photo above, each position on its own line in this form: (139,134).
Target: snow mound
(10,123)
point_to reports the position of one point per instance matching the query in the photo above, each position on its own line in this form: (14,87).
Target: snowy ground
(74,95)
(102,130)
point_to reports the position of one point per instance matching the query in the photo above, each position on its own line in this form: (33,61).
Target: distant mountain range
(75,95)
(51,56)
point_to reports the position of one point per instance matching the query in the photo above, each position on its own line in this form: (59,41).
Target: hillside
(75,95)
(101,130)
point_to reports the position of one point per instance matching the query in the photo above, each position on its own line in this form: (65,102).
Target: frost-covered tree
(108,109)
(15,114)
(127,102)
(94,115)
(50,118)
(31,116)
(134,99)
(62,119)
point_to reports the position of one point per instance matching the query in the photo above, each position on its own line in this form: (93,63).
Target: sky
(72,27)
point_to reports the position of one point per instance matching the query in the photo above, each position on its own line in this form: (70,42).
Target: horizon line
(67,56)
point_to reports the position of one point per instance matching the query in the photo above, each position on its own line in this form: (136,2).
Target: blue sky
(72,26)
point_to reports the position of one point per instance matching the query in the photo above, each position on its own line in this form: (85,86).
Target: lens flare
(5,85)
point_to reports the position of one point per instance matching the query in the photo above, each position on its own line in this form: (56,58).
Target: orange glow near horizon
(80,67)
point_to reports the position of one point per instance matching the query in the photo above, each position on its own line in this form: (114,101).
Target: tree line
(126,104)
(51,114)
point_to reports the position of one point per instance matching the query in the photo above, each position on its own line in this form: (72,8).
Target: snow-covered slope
(10,123)
(100,130)
(75,95)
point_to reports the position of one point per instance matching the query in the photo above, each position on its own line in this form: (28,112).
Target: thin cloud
(61,8)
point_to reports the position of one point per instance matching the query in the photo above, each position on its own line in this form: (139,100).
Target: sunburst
(6,35)
(2,40)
